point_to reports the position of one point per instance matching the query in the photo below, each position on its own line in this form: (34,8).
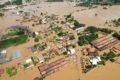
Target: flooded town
(59,39)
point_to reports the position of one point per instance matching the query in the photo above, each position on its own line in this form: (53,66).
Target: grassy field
(13,41)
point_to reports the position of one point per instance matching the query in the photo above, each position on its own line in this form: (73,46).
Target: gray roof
(16,54)
(4,60)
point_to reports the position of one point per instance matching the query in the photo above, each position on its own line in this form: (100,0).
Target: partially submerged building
(47,69)
(104,42)
(16,54)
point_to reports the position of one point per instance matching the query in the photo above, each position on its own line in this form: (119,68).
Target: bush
(36,39)
(71,37)
(11,71)
(1,14)
(77,24)
(112,60)
(102,62)
(65,53)
(62,33)
(116,35)
(26,65)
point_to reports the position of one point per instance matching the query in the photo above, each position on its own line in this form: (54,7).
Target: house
(35,34)
(95,60)
(3,52)
(78,30)
(4,60)
(33,50)
(72,51)
(28,63)
(41,59)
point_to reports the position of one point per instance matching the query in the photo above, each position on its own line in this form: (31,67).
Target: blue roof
(16,54)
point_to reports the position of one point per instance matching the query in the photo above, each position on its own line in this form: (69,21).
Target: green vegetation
(116,22)
(34,60)
(54,0)
(88,3)
(111,55)
(65,53)
(1,14)
(11,71)
(88,68)
(26,65)
(104,7)
(116,35)
(37,39)
(38,78)
(61,33)
(55,28)
(13,41)
(77,24)
(69,18)
(108,56)
(15,32)
(102,62)
(85,39)
(2,5)
(92,29)
(71,37)
(17,2)
(105,30)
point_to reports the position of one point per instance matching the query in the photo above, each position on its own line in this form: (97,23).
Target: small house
(96,60)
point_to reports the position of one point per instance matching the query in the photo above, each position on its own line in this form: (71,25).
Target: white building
(96,60)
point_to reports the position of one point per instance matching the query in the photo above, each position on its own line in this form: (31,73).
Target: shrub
(37,39)
(116,35)
(1,14)
(62,33)
(77,24)
(11,71)
(71,37)
(65,53)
